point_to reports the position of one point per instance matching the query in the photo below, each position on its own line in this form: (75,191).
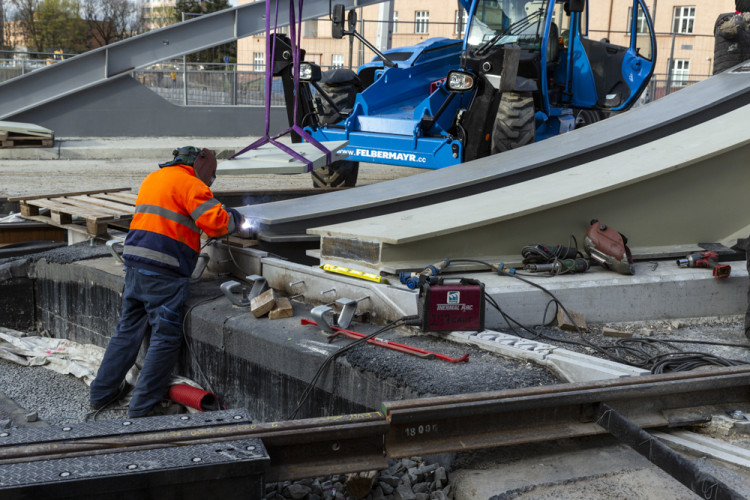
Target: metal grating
(102,428)
(134,463)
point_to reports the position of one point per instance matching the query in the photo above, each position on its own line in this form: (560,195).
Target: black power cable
(641,351)
(311,385)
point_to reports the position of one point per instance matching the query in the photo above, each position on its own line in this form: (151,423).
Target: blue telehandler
(525,70)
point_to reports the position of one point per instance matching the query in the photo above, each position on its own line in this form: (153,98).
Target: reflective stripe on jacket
(173,206)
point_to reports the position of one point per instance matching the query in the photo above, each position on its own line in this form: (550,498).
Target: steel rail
(298,449)
(359,442)
(682,469)
(475,421)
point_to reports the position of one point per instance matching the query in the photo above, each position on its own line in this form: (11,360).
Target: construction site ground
(595,467)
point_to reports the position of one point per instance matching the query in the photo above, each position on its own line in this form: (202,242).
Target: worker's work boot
(122,391)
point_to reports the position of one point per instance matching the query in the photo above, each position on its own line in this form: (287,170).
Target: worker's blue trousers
(150,301)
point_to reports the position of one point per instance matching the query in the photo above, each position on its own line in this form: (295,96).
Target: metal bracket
(111,245)
(348,309)
(260,285)
(319,314)
(200,266)
(232,288)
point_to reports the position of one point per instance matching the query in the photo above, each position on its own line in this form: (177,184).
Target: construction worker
(174,205)
(732,37)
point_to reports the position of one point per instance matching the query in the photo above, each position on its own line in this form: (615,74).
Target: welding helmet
(205,166)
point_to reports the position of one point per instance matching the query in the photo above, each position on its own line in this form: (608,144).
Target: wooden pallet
(10,139)
(97,209)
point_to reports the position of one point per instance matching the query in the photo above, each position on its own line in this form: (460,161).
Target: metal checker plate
(120,427)
(215,456)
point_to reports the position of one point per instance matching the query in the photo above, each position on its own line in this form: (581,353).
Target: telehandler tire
(584,117)
(342,173)
(514,123)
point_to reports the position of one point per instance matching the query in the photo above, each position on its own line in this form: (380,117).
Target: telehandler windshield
(500,22)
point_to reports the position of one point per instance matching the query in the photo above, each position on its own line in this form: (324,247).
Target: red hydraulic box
(447,307)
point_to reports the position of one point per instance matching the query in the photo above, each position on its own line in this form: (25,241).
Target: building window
(461,19)
(259,61)
(683,20)
(395,21)
(680,72)
(421,22)
(641,26)
(311,28)
(337,61)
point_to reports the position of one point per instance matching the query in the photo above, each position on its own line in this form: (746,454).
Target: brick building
(684,31)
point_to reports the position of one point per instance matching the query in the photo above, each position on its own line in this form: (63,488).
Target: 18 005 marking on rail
(421,429)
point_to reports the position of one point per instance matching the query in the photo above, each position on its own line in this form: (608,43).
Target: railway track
(361,442)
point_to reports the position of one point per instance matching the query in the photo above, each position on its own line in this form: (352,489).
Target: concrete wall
(249,363)
(125,108)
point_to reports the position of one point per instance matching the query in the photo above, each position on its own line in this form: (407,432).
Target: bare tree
(2,25)
(111,20)
(50,24)
(25,12)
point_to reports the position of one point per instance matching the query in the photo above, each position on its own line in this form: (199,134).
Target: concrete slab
(268,159)
(645,193)
(656,291)
(594,469)
(26,129)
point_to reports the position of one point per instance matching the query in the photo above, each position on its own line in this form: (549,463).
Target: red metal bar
(392,345)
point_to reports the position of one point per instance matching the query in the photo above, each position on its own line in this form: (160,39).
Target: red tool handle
(393,345)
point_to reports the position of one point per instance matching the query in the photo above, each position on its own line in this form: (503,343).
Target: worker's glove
(235,223)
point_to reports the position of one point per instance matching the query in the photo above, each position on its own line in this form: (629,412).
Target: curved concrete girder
(98,66)
(286,221)
(678,190)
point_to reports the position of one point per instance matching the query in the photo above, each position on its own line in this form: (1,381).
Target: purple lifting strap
(295,28)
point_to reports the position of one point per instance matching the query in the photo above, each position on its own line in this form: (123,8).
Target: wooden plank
(96,211)
(236,241)
(96,228)
(28,210)
(76,193)
(98,202)
(26,142)
(127,198)
(60,218)
(70,227)
(72,210)
(18,232)
(84,205)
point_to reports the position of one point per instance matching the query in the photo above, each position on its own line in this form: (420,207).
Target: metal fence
(189,84)
(682,60)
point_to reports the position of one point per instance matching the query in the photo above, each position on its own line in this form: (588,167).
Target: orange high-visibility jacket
(173,206)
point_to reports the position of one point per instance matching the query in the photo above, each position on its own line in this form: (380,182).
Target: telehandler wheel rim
(586,117)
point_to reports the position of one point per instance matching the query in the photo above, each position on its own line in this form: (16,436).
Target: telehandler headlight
(459,81)
(309,72)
